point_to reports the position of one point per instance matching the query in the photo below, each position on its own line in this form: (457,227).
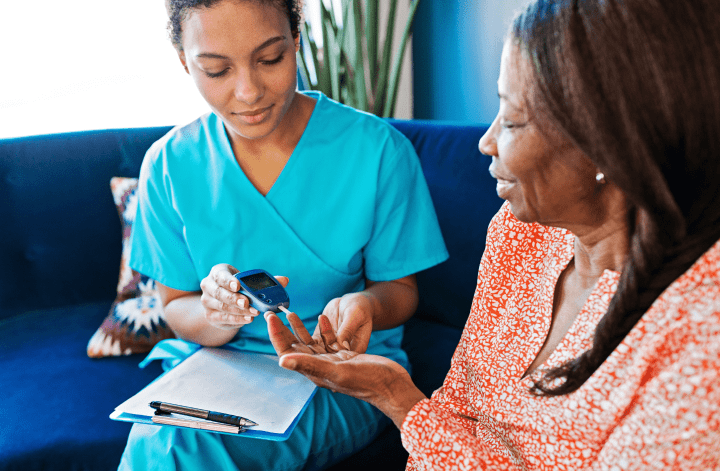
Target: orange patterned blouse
(653,404)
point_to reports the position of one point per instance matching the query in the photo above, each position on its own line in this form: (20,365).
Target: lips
(254,116)
(503,185)
(496,176)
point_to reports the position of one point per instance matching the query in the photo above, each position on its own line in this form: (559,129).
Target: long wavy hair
(178,10)
(635,84)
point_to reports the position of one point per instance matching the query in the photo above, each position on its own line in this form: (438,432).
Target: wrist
(375,305)
(400,397)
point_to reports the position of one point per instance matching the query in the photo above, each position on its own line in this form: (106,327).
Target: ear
(181,56)
(297,43)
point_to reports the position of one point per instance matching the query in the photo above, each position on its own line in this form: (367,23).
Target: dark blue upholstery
(59,259)
(465,200)
(59,222)
(55,402)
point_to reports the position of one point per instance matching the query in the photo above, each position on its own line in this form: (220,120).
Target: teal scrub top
(350,203)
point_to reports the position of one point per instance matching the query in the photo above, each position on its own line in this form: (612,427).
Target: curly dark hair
(635,85)
(178,11)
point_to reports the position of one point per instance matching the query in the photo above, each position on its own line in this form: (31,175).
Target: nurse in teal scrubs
(291,182)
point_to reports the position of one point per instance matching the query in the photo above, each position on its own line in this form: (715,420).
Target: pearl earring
(600,178)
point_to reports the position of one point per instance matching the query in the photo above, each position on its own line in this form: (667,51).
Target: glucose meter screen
(259,281)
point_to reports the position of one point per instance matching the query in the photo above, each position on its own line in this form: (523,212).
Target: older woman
(593,338)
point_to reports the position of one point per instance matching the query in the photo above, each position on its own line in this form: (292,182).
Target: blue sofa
(60,247)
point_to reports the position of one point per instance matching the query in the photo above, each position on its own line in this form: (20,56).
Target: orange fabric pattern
(653,404)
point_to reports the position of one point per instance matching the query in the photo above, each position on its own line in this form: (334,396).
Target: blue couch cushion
(56,402)
(430,347)
(465,200)
(60,225)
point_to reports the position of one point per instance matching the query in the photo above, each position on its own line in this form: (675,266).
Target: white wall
(90,64)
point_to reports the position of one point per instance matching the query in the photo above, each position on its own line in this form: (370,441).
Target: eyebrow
(269,42)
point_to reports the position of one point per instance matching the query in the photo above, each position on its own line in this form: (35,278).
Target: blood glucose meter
(263,291)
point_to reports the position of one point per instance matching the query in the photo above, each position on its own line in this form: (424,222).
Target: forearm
(186,317)
(394,302)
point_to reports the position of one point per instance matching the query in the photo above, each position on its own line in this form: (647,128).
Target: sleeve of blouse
(441,432)
(675,423)
(438,433)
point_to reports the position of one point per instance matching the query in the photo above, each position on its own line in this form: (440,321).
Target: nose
(488,143)
(248,88)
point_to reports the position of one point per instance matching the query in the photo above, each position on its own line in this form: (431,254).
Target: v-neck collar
(593,309)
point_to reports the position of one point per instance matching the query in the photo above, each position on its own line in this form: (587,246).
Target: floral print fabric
(653,404)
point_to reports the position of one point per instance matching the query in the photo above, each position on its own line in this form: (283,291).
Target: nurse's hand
(225,308)
(351,316)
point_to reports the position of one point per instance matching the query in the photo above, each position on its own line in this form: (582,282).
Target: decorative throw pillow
(135,322)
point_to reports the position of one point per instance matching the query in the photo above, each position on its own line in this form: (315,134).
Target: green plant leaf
(372,20)
(332,52)
(391,98)
(324,77)
(303,69)
(380,88)
(350,67)
(313,55)
(358,65)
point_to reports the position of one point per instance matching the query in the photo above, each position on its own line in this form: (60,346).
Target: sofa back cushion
(465,200)
(60,241)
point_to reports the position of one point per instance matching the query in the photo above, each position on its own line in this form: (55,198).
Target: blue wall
(456,58)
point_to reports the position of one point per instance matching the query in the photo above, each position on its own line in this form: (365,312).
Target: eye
(273,61)
(507,124)
(216,74)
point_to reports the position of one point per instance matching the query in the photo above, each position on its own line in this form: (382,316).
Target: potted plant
(354,66)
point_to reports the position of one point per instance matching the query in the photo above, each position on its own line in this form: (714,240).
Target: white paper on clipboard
(250,385)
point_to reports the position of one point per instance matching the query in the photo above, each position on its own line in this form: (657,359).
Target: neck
(605,244)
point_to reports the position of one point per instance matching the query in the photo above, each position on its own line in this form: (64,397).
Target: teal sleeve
(158,248)
(406,236)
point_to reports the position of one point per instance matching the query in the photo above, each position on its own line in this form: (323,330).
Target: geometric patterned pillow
(135,322)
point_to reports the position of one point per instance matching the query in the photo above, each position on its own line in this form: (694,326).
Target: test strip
(284,309)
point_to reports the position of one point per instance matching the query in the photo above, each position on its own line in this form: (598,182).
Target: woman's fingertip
(347,344)
(288,363)
(234,286)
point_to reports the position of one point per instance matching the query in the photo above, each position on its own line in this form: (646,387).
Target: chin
(258,131)
(520,212)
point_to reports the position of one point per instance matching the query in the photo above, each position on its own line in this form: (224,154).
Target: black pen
(202,414)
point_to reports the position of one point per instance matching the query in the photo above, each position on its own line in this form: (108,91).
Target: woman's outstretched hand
(374,379)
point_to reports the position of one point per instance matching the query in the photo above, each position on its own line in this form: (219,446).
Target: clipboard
(250,385)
